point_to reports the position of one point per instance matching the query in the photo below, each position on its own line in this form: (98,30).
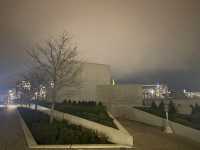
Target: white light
(152,91)
(11,107)
(52,84)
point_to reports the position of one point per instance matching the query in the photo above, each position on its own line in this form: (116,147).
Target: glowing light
(12,106)
(113,82)
(152,91)
(52,84)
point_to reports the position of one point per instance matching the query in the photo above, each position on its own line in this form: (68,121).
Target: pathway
(151,138)
(11,134)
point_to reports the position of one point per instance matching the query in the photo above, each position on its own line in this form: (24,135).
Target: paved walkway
(151,138)
(11,134)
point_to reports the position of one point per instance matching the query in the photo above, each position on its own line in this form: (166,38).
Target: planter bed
(59,132)
(87,110)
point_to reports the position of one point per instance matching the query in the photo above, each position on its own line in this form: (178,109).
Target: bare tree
(58,59)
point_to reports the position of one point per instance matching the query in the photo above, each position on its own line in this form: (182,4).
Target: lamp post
(36,100)
(52,84)
(167,128)
(10,94)
(26,85)
(53,96)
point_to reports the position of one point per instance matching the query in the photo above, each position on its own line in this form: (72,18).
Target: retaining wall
(144,117)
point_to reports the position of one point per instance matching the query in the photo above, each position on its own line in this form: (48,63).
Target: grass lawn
(88,110)
(59,132)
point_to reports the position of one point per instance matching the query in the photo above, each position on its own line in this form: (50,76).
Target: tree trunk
(36,104)
(52,112)
(52,105)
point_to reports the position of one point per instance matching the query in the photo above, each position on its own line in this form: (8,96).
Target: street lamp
(52,84)
(167,127)
(36,95)
(42,91)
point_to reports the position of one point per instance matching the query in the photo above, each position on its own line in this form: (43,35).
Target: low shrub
(192,120)
(89,110)
(59,132)
(44,133)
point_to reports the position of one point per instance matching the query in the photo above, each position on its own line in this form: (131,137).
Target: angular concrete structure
(96,85)
(92,74)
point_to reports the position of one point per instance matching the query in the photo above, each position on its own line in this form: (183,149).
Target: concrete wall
(124,94)
(144,117)
(114,135)
(90,76)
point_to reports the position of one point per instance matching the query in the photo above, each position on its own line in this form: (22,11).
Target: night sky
(144,41)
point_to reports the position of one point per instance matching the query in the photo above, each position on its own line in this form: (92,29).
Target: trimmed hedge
(192,120)
(88,110)
(59,132)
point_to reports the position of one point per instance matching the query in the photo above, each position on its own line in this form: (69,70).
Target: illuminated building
(158,91)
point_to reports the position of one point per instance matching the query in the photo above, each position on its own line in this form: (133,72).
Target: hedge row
(88,110)
(192,120)
(59,132)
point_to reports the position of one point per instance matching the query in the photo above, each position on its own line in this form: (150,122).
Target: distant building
(196,94)
(191,94)
(188,93)
(158,91)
